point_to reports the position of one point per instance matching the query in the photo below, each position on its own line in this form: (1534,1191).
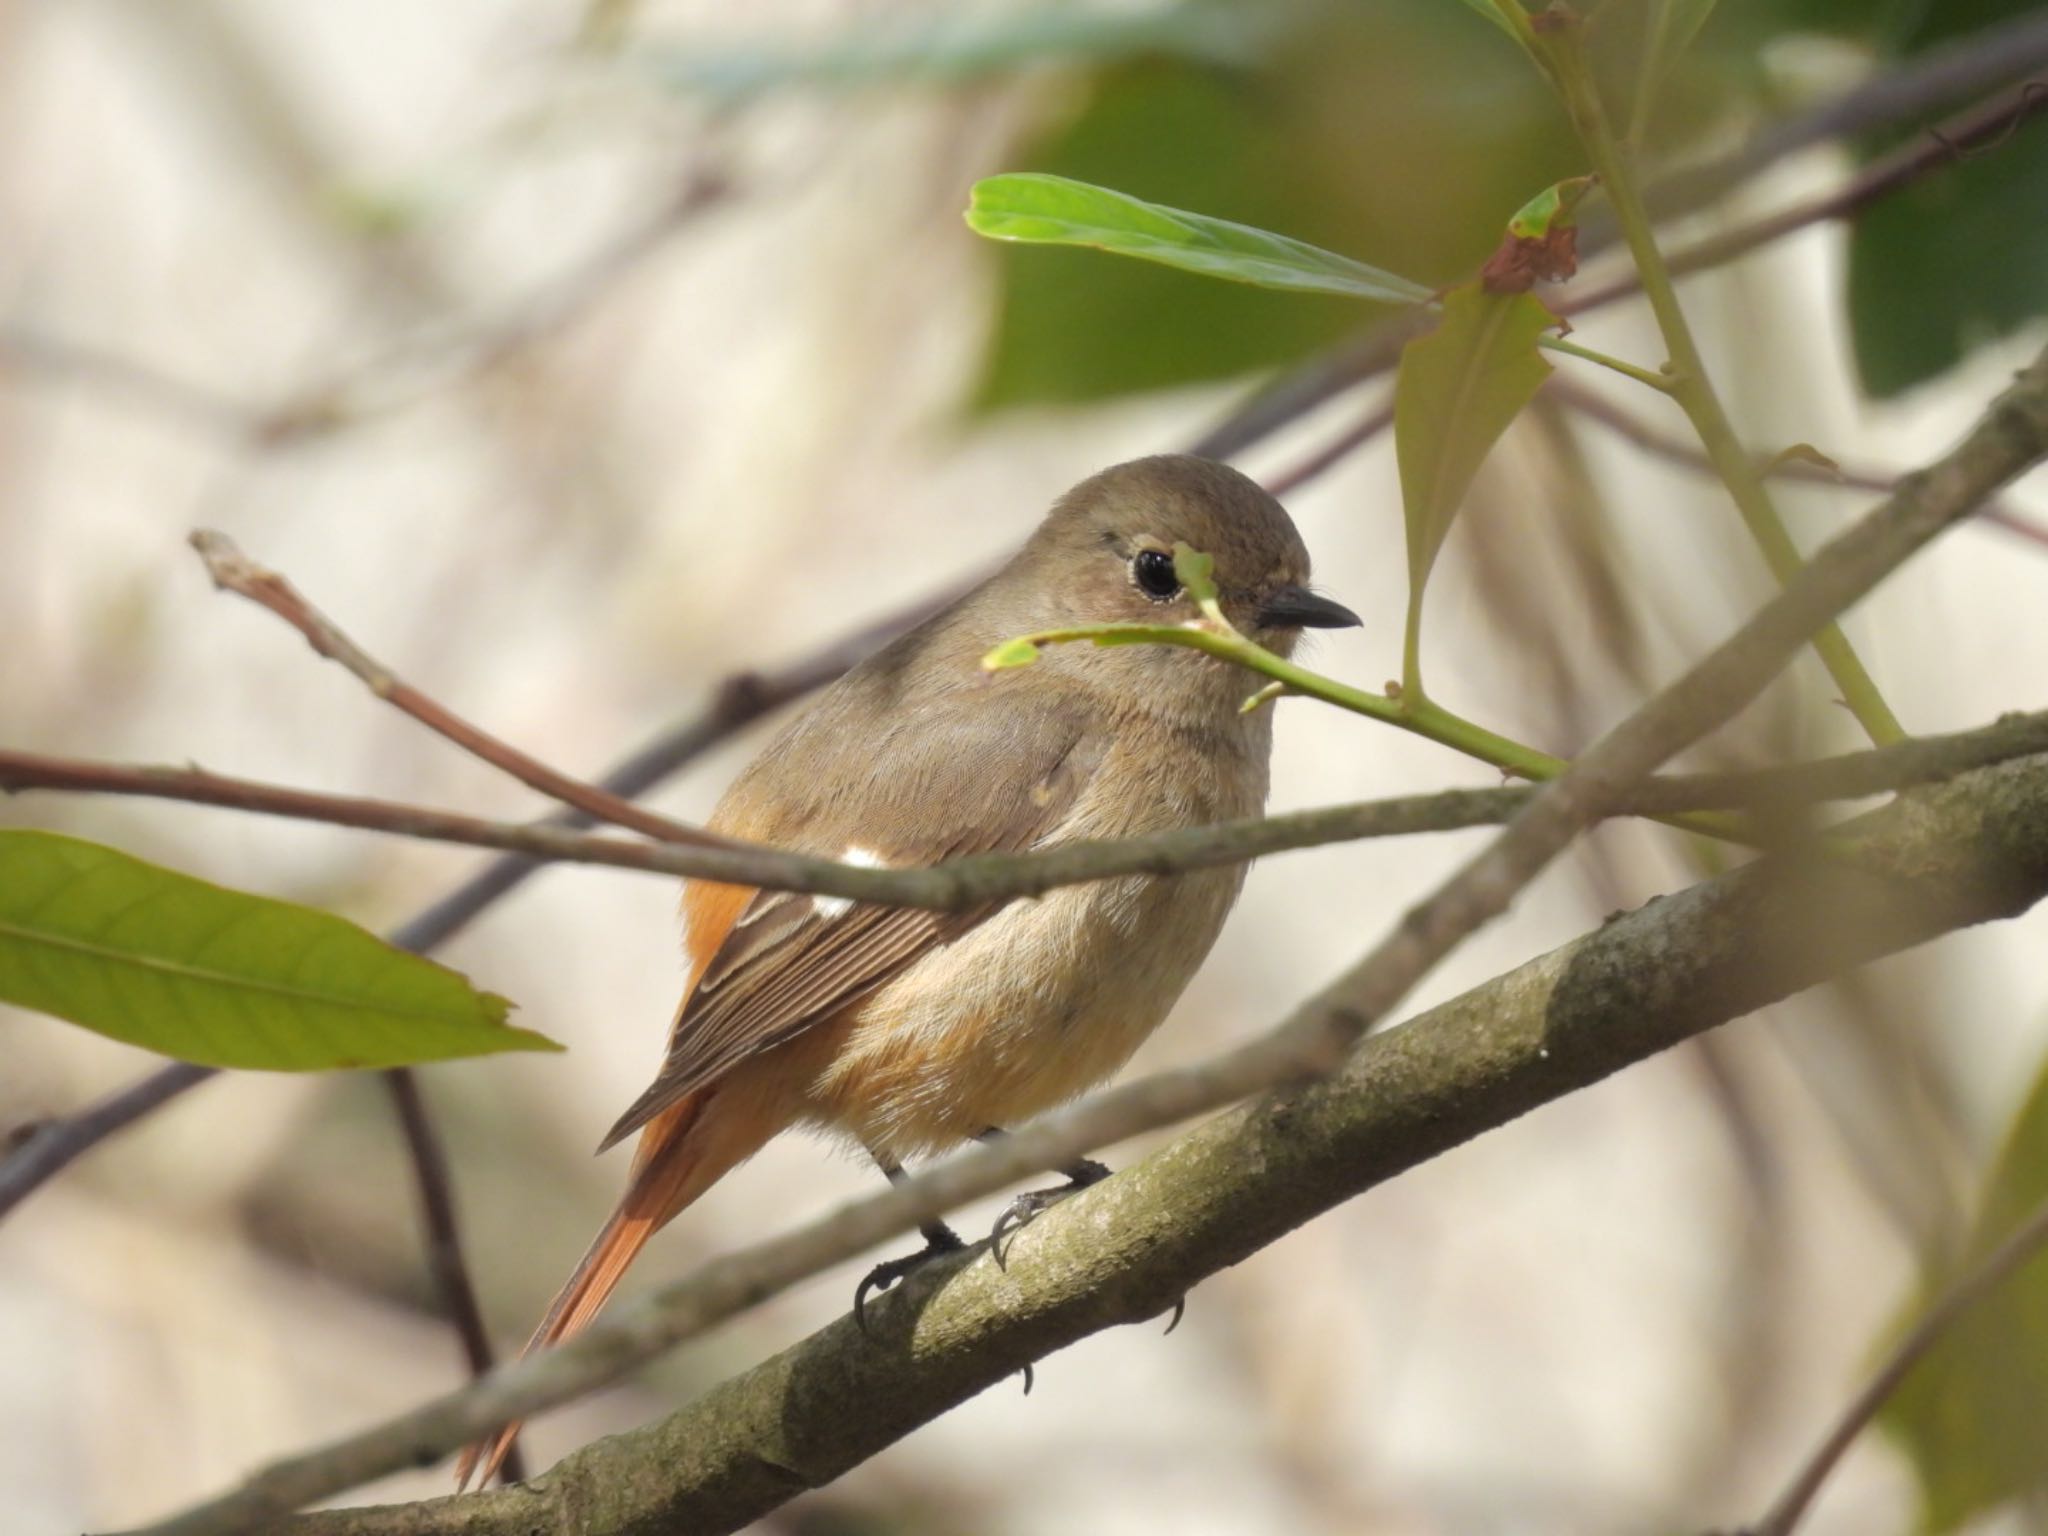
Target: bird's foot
(1032,1204)
(938,1239)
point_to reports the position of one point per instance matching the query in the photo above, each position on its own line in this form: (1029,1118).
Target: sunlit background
(575,357)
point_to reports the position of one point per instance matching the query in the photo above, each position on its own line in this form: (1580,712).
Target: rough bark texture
(1964,852)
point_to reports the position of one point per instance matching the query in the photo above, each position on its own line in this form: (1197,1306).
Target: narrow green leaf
(1969,1417)
(193,970)
(1506,15)
(1020,652)
(1194,570)
(1457,390)
(1551,209)
(1686,19)
(1038,209)
(1673,26)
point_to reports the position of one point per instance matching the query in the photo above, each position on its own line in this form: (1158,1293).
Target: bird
(908,1031)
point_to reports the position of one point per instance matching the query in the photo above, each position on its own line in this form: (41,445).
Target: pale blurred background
(568,494)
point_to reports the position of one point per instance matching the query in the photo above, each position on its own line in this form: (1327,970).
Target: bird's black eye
(1152,570)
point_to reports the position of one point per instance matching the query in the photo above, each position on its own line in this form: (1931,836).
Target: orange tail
(681,1154)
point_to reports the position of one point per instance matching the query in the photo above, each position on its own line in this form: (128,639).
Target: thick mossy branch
(1321,1038)
(1970,850)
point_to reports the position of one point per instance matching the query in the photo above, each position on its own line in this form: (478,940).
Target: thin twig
(1982,128)
(180,400)
(2000,1265)
(235,572)
(972,881)
(47,1148)
(1595,406)
(1334,452)
(1986,60)
(2011,436)
(1641,983)
(737,702)
(445,1257)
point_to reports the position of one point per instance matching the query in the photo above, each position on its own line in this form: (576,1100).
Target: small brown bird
(909,1031)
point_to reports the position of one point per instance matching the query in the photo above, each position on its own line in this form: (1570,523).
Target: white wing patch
(829,907)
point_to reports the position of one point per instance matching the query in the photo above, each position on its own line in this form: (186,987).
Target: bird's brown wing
(974,773)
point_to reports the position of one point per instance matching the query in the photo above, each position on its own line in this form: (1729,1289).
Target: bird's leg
(938,1238)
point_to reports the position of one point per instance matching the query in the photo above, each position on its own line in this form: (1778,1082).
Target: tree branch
(1595,406)
(2011,436)
(41,1150)
(958,884)
(235,572)
(1969,851)
(47,1149)
(1998,1266)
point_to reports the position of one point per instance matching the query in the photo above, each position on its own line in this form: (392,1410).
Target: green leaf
(1506,15)
(1297,140)
(1020,652)
(220,977)
(1039,209)
(1687,17)
(1672,31)
(1956,259)
(1194,570)
(1969,1416)
(1458,388)
(1551,209)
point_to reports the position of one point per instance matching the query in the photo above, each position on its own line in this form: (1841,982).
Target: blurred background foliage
(574,476)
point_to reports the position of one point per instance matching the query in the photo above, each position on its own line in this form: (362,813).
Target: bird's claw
(1032,1204)
(937,1241)
(1019,1214)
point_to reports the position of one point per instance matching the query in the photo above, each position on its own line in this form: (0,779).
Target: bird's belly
(1030,1008)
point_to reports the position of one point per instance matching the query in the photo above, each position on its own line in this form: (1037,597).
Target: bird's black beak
(1299,608)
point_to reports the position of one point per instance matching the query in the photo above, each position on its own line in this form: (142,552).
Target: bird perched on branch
(909,1031)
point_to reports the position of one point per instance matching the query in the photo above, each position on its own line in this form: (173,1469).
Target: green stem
(1411,649)
(1412,712)
(1689,384)
(1661,382)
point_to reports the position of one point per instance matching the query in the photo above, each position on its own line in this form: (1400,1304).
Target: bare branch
(236,572)
(445,1257)
(1334,452)
(178,400)
(2011,436)
(1972,850)
(1986,60)
(45,1150)
(1595,406)
(957,884)
(2021,1248)
(39,1151)
(1986,126)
